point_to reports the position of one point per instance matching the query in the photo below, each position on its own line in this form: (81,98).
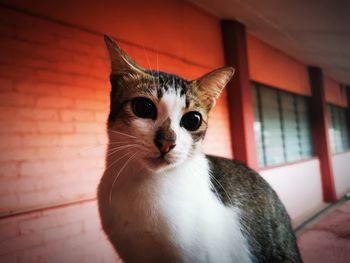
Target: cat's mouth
(159,161)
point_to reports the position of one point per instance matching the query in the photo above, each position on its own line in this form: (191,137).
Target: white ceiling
(316,32)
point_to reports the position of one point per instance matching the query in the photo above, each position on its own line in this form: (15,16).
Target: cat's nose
(165,145)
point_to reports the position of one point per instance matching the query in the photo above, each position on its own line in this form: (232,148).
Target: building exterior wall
(293,182)
(54,94)
(335,93)
(299,187)
(341,173)
(66,234)
(175,28)
(54,102)
(272,67)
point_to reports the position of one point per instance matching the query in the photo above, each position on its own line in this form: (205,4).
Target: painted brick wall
(54,100)
(53,107)
(281,71)
(335,93)
(67,234)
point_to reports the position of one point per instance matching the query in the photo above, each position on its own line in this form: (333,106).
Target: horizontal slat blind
(338,130)
(272,132)
(282,128)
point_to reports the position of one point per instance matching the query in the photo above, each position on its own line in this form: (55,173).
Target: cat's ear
(120,61)
(210,86)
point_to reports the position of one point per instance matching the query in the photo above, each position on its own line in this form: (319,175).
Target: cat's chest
(180,210)
(207,230)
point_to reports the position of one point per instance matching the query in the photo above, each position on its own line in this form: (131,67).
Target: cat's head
(159,118)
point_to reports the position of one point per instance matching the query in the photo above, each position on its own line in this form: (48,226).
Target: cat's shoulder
(233,180)
(265,218)
(221,166)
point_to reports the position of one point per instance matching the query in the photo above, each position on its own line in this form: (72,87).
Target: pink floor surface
(329,240)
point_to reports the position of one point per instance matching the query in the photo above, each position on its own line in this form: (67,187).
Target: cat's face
(160,119)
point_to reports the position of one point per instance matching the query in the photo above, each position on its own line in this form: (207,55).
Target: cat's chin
(159,163)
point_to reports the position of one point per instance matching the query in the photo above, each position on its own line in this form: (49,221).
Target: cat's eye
(191,120)
(144,108)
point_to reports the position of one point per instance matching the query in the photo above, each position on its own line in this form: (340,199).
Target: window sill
(340,153)
(286,164)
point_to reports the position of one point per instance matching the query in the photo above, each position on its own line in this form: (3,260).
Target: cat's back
(266,223)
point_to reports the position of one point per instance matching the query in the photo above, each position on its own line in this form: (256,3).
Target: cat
(161,199)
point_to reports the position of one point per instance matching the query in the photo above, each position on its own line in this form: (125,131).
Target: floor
(328,239)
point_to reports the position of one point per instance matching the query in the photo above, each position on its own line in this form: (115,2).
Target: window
(338,132)
(282,128)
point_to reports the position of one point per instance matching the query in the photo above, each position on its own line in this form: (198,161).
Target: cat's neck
(136,173)
(178,207)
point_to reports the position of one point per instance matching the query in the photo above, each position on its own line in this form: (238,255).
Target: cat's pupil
(144,108)
(191,120)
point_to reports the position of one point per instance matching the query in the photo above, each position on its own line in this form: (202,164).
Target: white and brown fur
(183,206)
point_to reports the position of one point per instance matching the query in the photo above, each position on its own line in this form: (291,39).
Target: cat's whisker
(118,149)
(122,133)
(106,144)
(121,147)
(173,82)
(118,144)
(116,177)
(123,142)
(149,66)
(127,140)
(110,167)
(147,59)
(119,160)
(92,147)
(158,68)
(228,197)
(121,157)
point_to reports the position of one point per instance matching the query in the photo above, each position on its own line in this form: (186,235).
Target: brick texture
(54,93)
(67,234)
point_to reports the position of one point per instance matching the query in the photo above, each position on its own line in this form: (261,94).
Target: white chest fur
(179,208)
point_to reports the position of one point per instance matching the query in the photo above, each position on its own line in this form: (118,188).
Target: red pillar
(347,90)
(319,123)
(240,97)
